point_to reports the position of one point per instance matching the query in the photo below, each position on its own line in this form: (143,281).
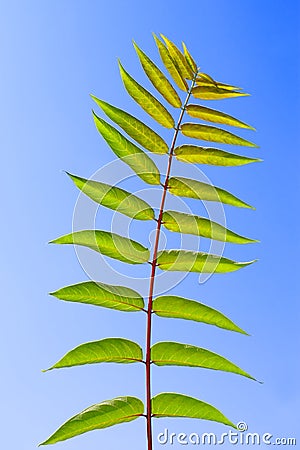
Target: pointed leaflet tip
(70,175)
(247,263)
(93,97)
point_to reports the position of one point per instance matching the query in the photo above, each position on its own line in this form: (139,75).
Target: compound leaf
(101,415)
(213,156)
(186,187)
(170,65)
(169,404)
(200,226)
(158,79)
(212,115)
(114,350)
(134,128)
(212,92)
(114,198)
(213,134)
(146,100)
(189,261)
(100,294)
(177,354)
(182,308)
(139,162)
(109,244)
(179,59)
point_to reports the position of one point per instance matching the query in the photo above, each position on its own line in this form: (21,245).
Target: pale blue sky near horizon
(53,55)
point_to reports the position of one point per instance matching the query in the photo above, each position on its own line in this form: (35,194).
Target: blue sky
(54,54)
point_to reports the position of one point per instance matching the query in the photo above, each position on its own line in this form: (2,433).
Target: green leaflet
(114,350)
(211,92)
(170,65)
(99,294)
(189,261)
(109,244)
(212,115)
(183,308)
(139,162)
(186,187)
(146,100)
(213,156)
(207,78)
(200,226)
(114,198)
(101,415)
(205,82)
(158,79)
(169,404)
(134,128)
(213,134)
(189,58)
(179,59)
(177,354)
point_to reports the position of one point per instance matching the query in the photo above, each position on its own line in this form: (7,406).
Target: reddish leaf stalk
(153,271)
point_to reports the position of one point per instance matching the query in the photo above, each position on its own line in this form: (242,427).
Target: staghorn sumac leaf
(189,261)
(212,92)
(101,415)
(134,128)
(170,65)
(179,59)
(158,79)
(212,115)
(213,134)
(172,306)
(200,226)
(139,162)
(110,350)
(108,244)
(146,100)
(186,187)
(208,155)
(100,294)
(189,58)
(178,354)
(114,198)
(170,404)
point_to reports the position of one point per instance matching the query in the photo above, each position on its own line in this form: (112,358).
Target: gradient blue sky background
(53,54)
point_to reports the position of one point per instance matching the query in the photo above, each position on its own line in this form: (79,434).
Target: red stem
(153,271)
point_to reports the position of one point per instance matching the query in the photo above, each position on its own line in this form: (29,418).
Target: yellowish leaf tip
(157,39)
(251,262)
(120,64)
(245,333)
